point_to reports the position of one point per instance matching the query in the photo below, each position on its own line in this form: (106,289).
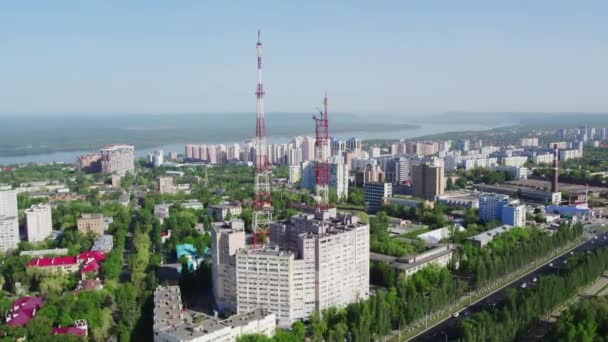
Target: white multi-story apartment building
(338,177)
(312,263)
(268,279)
(514,161)
(38,222)
(546,158)
(295,173)
(166,185)
(158,158)
(118,159)
(570,154)
(234,152)
(9,222)
(226,239)
(529,142)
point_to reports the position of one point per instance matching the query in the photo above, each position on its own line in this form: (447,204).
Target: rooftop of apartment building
(92,216)
(271,250)
(189,325)
(246,318)
(229,226)
(326,222)
(167,306)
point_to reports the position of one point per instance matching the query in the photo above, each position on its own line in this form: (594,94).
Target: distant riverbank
(141,150)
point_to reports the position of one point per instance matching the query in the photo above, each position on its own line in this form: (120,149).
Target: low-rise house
(440,256)
(22,311)
(484,238)
(79,329)
(86,262)
(92,223)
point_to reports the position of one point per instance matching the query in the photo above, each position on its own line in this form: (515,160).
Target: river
(422,130)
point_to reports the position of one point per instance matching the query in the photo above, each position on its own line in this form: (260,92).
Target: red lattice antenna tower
(262,207)
(322,158)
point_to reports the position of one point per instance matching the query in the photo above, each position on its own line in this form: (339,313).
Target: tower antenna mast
(262,206)
(322,158)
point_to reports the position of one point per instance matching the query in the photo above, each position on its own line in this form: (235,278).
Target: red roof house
(79,328)
(23,310)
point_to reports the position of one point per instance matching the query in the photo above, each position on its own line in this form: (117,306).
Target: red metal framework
(322,157)
(262,207)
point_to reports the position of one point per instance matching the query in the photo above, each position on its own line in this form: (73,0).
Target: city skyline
(388,58)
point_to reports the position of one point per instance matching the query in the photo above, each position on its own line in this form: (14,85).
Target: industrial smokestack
(554,183)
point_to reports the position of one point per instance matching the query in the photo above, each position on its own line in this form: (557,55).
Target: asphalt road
(448,329)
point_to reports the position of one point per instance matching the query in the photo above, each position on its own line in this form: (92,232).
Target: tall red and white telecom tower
(262,207)
(322,158)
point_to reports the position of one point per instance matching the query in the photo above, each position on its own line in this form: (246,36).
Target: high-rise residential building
(226,239)
(428,181)
(9,222)
(570,154)
(375,195)
(118,159)
(514,161)
(546,158)
(529,142)
(426,148)
(38,222)
(89,162)
(354,145)
(445,146)
(375,152)
(514,214)
(397,170)
(212,154)
(222,154)
(490,206)
(158,158)
(234,152)
(308,148)
(294,157)
(463,145)
(338,177)
(337,147)
(295,173)
(315,262)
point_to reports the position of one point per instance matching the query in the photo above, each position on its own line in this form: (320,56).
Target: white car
(456,314)
(535,280)
(523,285)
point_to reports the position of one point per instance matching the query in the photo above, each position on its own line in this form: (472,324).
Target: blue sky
(372,56)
